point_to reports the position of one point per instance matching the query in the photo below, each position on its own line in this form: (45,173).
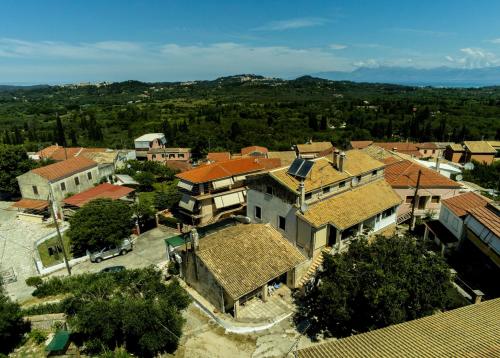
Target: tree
(60,137)
(370,286)
(99,223)
(13,162)
(146,180)
(167,199)
(12,325)
(235,130)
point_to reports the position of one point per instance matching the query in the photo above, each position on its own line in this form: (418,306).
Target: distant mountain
(439,76)
(17,87)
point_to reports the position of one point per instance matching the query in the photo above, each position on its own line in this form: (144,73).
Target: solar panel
(304,169)
(296,164)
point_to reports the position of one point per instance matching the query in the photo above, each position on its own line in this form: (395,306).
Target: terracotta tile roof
(218,156)
(314,147)
(31,204)
(322,174)
(461,203)
(456,147)
(358,162)
(57,152)
(479,147)
(427,145)
(403,147)
(352,207)
(254,148)
(179,165)
(470,331)
(228,168)
(64,168)
(243,258)
(105,190)
(487,216)
(404,174)
(360,144)
(286,157)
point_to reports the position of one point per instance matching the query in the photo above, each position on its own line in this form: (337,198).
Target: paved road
(149,249)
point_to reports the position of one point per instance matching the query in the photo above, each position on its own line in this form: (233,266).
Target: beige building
(235,264)
(312,149)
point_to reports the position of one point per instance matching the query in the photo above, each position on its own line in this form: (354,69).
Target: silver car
(111,251)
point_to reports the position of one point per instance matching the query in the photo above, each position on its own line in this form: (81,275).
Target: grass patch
(51,253)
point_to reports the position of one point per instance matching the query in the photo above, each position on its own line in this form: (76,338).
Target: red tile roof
(402,147)
(228,168)
(31,204)
(253,148)
(461,203)
(65,168)
(427,145)
(57,152)
(404,174)
(104,190)
(488,217)
(218,156)
(360,144)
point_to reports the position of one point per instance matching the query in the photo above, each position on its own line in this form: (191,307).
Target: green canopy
(175,241)
(59,342)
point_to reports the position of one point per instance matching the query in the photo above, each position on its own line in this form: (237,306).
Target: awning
(223,183)
(185,185)
(31,204)
(59,343)
(176,241)
(224,201)
(187,202)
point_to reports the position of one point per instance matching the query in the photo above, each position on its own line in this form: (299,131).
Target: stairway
(317,261)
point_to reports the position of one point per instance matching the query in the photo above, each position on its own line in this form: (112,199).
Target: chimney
(438,160)
(302,193)
(394,149)
(342,159)
(335,158)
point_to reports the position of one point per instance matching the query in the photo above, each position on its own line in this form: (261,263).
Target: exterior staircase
(317,261)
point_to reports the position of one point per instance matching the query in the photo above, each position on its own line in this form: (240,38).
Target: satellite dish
(304,207)
(469,166)
(459,177)
(355,181)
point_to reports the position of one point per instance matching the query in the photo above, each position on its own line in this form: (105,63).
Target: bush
(38,336)
(43,309)
(34,281)
(173,268)
(170,222)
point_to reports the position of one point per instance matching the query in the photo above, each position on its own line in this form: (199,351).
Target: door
(332,235)
(422,202)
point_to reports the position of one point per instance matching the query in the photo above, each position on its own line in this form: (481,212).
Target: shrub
(43,309)
(171,222)
(173,268)
(34,281)
(38,336)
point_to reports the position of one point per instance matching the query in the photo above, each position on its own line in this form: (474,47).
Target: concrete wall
(443,193)
(451,222)
(382,223)
(304,237)
(320,239)
(26,182)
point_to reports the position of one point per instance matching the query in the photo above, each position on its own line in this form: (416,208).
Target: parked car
(111,251)
(113,269)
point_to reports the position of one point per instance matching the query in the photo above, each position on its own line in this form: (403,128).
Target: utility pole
(414,203)
(51,206)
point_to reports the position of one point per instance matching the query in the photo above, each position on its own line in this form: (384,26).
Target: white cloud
(337,46)
(494,41)
(423,32)
(289,24)
(474,57)
(371,63)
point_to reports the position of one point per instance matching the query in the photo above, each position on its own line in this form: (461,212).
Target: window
(308,196)
(258,212)
(154,156)
(269,190)
(374,173)
(388,213)
(326,190)
(435,199)
(89,175)
(35,190)
(63,186)
(77,181)
(342,184)
(409,199)
(181,155)
(171,155)
(425,151)
(281,222)
(359,178)
(433,151)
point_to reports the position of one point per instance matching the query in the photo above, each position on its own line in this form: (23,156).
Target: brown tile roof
(360,144)
(218,156)
(31,204)
(487,216)
(228,168)
(456,147)
(322,174)
(58,153)
(104,190)
(314,147)
(404,174)
(427,145)
(286,157)
(64,168)
(403,147)
(252,149)
(461,203)
(470,331)
(358,162)
(352,207)
(479,147)
(242,258)
(179,165)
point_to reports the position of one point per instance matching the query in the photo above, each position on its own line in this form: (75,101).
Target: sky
(61,41)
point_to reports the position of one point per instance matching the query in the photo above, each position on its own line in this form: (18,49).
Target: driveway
(149,249)
(17,240)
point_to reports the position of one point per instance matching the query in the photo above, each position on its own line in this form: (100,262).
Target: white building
(147,142)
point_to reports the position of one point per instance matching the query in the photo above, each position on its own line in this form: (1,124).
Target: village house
(360,144)
(325,201)
(235,264)
(407,148)
(213,191)
(169,154)
(429,150)
(148,141)
(58,180)
(214,157)
(479,151)
(254,151)
(312,149)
